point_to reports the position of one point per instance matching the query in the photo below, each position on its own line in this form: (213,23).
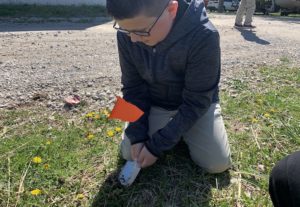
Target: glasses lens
(142,33)
(123,31)
(128,32)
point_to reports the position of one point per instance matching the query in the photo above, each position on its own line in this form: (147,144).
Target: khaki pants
(206,140)
(246,7)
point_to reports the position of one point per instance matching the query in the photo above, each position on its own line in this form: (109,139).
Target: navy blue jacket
(180,73)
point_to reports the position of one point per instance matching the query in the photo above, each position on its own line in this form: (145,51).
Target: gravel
(42,63)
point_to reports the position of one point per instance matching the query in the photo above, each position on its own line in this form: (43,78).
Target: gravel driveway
(41,63)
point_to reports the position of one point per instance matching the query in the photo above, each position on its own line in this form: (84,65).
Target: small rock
(261,168)
(39,96)
(22,98)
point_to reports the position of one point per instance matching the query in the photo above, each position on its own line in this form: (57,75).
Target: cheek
(162,29)
(157,33)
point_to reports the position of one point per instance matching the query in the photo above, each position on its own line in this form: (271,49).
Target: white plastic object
(129,172)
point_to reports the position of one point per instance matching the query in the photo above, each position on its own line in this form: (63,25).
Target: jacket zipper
(153,70)
(154,50)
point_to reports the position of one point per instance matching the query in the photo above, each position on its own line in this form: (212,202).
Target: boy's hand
(145,158)
(135,150)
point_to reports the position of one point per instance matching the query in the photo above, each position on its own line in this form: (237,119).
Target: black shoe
(249,26)
(238,25)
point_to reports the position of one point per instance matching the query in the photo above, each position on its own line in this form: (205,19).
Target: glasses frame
(139,33)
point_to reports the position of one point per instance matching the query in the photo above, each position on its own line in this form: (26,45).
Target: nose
(135,38)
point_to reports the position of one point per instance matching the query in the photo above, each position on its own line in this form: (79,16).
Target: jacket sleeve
(134,90)
(201,83)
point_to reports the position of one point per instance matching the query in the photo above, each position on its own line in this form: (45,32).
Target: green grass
(49,11)
(262,121)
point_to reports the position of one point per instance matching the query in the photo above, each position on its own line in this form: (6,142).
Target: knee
(216,166)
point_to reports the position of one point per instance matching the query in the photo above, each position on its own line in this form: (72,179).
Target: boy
(170,61)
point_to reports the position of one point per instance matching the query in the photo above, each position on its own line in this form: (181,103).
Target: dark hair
(125,9)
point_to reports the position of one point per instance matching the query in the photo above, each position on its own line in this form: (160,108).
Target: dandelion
(110,133)
(36,192)
(48,142)
(254,120)
(106,112)
(90,115)
(267,115)
(80,196)
(118,129)
(90,136)
(37,160)
(272,110)
(46,166)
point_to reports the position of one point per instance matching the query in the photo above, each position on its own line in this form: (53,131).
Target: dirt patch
(64,58)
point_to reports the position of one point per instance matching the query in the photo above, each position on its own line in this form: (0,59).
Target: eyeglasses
(140,33)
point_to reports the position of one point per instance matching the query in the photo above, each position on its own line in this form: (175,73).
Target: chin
(150,43)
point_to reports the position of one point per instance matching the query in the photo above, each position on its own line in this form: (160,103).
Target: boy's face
(158,27)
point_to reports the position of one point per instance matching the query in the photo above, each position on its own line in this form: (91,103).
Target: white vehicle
(288,6)
(229,5)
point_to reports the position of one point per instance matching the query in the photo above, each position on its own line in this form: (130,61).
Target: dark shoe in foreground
(238,25)
(249,26)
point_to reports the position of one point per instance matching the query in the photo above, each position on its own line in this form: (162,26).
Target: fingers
(145,158)
(141,158)
(135,150)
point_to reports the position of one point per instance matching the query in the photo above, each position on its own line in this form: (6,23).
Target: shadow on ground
(173,181)
(27,25)
(250,35)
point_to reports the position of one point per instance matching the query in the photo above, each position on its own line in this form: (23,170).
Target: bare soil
(41,63)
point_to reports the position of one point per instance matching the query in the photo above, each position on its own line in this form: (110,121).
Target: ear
(172,8)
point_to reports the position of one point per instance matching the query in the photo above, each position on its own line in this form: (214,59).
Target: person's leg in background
(250,9)
(208,143)
(284,184)
(240,13)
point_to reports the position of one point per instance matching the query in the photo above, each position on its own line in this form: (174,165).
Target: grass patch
(50,11)
(80,161)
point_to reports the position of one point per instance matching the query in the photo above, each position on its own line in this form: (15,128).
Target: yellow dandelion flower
(110,133)
(118,129)
(37,160)
(46,166)
(36,192)
(267,115)
(254,120)
(90,115)
(90,136)
(48,142)
(106,112)
(80,196)
(272,110)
